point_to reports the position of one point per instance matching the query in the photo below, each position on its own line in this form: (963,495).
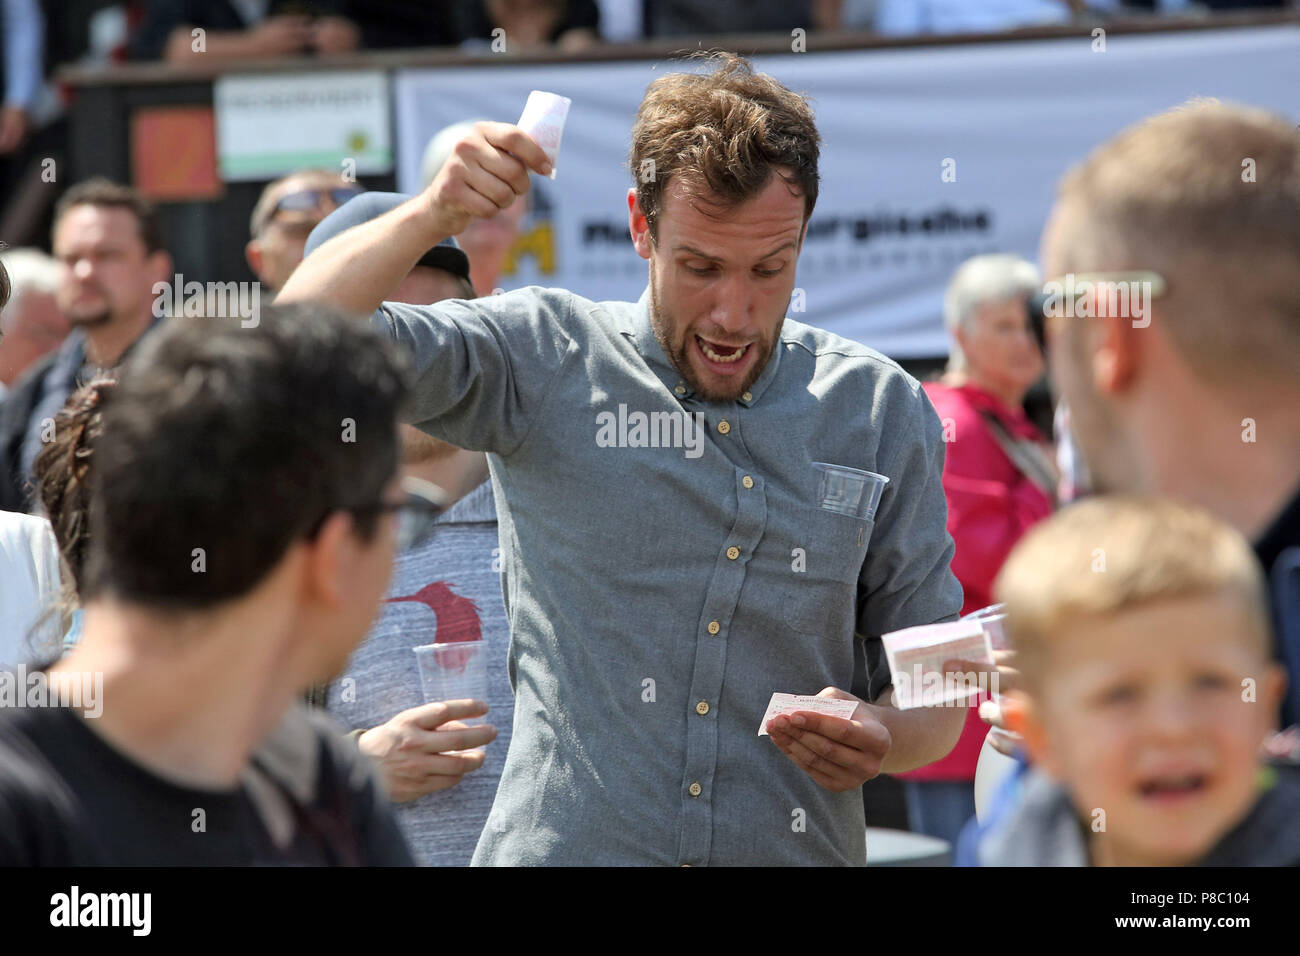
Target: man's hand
(279,35)
(1003,677)
(486,172)
(13,128)
(411,749)
(839,754)
(1001,738)
(335,35)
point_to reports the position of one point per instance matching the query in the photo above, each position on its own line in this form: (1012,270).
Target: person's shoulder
(870,381)
(1270,833)
(308,752)
(24,532)
(340,761)
(1038,826)
(950,402)
(36,821)
(22,395)
(839,354)
(537,303)
(344,766)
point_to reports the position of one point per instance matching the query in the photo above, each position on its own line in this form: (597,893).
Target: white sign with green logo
(270,125)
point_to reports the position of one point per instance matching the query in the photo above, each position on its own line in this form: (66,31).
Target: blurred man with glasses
(240,542)
(285,214)
(1195,214)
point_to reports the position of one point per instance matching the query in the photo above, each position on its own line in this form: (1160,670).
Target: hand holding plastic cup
(543,119)
(994,619)
(455,671)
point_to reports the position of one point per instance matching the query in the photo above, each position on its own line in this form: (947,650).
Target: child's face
(1141,716)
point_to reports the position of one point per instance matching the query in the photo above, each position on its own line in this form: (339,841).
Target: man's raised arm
(355,271)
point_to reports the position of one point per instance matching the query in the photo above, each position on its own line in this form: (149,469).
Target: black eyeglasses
(308,200)
(417,513)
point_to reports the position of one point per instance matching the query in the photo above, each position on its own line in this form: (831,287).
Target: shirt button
(680,390)
(702,708)
(695,789)
(747,481)
(714,627)
(747,397)
(733,553)
(724,426)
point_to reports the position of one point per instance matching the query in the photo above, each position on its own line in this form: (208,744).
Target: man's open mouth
(721,352)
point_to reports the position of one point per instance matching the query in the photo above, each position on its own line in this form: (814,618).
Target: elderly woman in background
(998,478)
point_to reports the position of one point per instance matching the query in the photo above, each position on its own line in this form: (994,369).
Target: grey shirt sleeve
(483,367)
(907,580)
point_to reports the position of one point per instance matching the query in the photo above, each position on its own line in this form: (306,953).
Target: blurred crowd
(39,36)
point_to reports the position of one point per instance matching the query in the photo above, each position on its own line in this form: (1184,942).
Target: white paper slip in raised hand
(543,119)
(790,703)
(916,657)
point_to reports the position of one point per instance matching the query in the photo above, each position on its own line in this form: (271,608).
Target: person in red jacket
(998,477)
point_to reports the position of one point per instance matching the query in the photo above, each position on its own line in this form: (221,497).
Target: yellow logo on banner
(538,242)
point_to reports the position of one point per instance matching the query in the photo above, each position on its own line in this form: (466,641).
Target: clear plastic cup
(849,491)
(995,626)
(989,611)
(456,671)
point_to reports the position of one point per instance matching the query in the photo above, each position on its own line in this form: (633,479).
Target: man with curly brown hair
(701,502)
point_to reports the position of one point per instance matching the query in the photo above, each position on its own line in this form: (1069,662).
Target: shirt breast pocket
(825,591)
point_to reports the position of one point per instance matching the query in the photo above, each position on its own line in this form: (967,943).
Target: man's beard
(677,354)
(89,320)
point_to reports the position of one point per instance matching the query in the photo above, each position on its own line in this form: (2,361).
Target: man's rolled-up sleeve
(483,367)
(907,577)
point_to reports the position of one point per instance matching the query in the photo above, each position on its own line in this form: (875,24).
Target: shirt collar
(643,337)
(72,358)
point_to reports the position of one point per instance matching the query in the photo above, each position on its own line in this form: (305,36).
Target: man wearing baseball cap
(444,590)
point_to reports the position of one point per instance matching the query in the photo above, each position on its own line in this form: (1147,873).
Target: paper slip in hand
(790,703)
(916,657)
(543,120)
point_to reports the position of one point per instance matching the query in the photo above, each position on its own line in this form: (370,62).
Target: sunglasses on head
(309,200)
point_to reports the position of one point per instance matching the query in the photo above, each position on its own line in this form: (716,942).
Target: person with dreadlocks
(61,476)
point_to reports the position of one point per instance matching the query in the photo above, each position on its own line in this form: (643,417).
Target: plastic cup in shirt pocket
(849,491)
(834,537)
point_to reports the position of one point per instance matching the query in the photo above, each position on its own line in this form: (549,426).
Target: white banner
(273,124)
(930,155)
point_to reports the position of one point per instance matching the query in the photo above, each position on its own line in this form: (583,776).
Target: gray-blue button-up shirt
(668,567)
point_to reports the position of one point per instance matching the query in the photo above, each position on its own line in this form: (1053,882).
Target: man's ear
(253,256)
(160,262)
(1116,347)
(331,558)
(962,337)
(638,226)
(1271,690)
